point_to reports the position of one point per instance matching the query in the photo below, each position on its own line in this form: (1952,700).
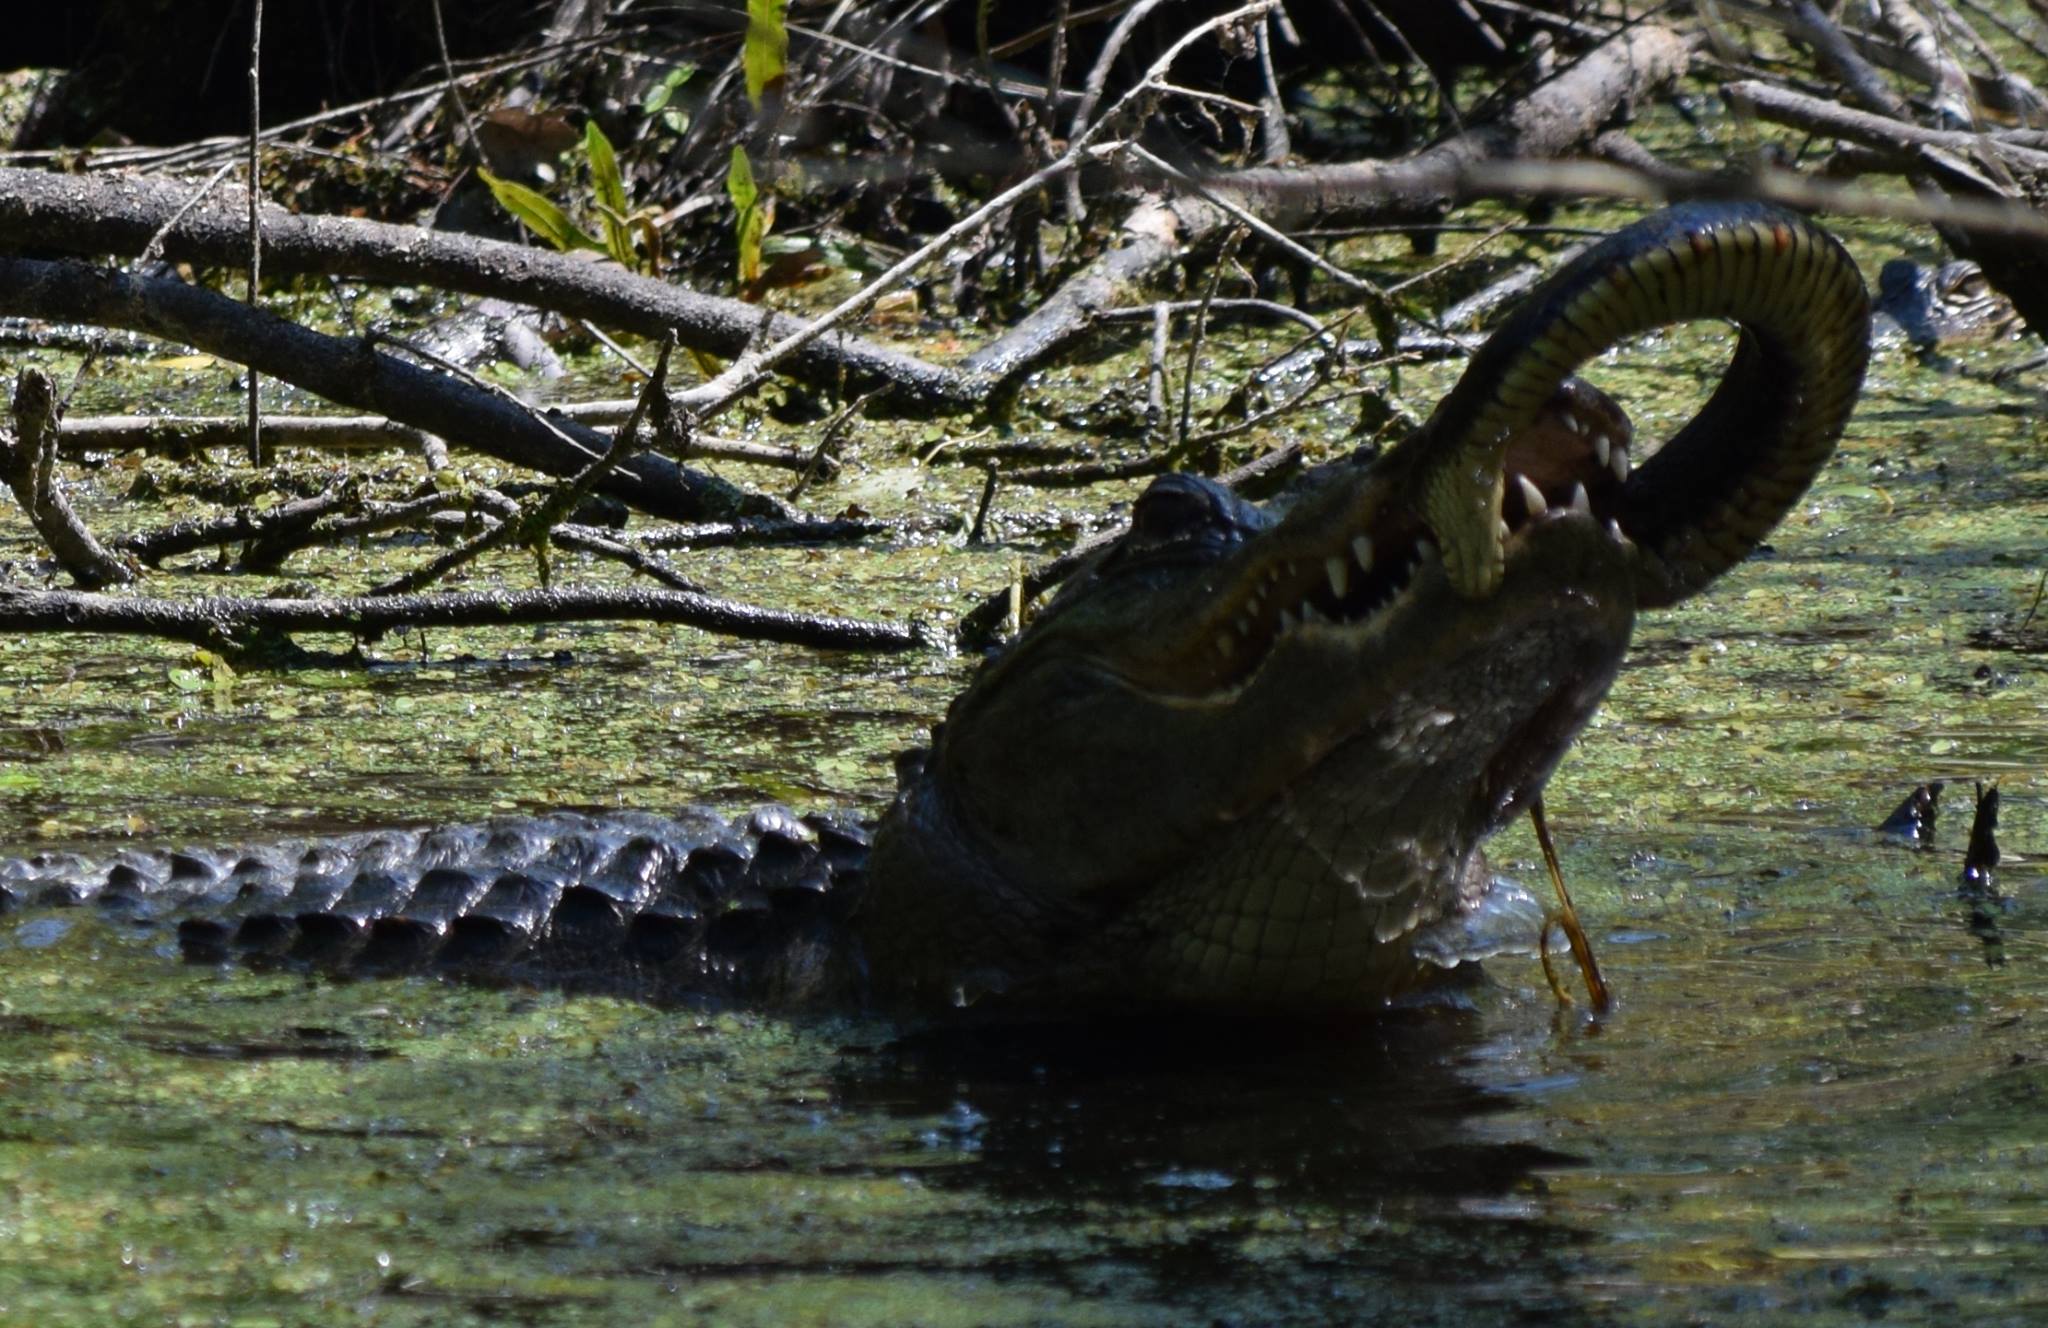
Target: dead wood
(1941,164)
(230,623)
(1818,116)
(353,374)
(1560,114)
(282,521)
(119,215)
(180,435)
(531,522)
(28,459)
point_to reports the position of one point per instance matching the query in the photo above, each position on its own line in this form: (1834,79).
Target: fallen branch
(1817,116)
(530,523)
(184,434)
(95,214)
(28,463)
(352,374)
(226,622)
(283,520)
(1803,193)
(1570,109)
(753,533)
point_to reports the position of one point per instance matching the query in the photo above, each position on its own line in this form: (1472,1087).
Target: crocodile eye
(1171,508)
(1189,512)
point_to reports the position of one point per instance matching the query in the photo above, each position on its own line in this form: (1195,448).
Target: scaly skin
(1245,761)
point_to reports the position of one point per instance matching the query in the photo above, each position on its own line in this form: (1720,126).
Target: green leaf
(766,56)
(659,96)
(611,194)
(752,223)
(538,213)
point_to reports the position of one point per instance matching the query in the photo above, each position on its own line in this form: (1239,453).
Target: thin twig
(1155,372)
(751,369)
(454,89)
(255,192)
(155,248)
(1209,464)
(531,524)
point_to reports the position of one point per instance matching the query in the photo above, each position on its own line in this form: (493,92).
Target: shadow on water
(1243,1172)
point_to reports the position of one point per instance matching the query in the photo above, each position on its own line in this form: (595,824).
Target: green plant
(632,239)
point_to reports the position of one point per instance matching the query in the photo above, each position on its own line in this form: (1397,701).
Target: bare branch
(28,460)
(351,374)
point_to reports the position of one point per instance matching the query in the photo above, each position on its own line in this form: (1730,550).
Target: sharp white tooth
(1361,550)
(1244,627)
(1288,622)
(1571,422)
(1425,551)
(1223,645)
(1620,463)
(1501,529)
(1339,573)
(1532,497)
(1614,532)
(1310,614)
(1581,504)
(1602,444)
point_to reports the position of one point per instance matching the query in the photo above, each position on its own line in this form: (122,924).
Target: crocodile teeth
(1581,505)
(1223,645)
(1532,497)
(1502,530)
(1288,622)
(1620,463)
(1571,422)
(1361,549)
(1309,614)
(1244,627)
(1614,532)
(1602,446)
(1425,552)
(1339,573)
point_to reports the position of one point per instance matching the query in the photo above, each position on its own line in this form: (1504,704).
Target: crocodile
(1930,307)
(1247,758)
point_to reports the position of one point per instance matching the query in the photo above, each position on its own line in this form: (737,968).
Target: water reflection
(1246,1171)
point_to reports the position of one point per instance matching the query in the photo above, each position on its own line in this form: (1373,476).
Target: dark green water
(1821,1094)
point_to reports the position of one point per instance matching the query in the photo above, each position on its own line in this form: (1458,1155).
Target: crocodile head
(1248,759)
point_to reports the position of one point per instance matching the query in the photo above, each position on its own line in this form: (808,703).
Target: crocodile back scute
(664,906)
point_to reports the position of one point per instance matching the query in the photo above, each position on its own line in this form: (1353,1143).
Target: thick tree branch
(96,214)
(352,374)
